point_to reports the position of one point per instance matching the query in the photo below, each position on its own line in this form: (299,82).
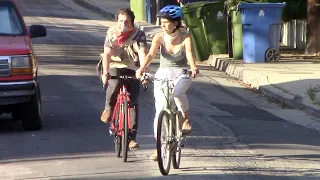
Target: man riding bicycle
(124,47)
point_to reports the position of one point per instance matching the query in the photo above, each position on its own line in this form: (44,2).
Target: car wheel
(32,113)
(16,115)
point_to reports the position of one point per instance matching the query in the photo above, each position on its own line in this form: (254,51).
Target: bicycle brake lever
(145,87)
(104,86)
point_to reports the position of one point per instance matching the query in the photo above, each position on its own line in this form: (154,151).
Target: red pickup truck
(19,86)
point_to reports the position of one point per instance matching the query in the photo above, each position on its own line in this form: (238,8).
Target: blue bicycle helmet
(171,12)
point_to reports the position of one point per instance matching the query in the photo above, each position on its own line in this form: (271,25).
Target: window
(10,22)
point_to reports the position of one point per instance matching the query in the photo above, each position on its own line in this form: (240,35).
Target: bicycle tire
(163,120)
(117,145)
(117,139)
(176,154)
(124,138)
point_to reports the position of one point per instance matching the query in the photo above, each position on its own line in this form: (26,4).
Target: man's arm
(108,52)
(106,59)
(142,52)
(142,46)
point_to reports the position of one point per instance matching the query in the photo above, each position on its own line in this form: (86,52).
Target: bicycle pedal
(111,130)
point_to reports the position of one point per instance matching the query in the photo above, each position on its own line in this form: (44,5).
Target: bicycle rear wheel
(176,154)
(124,138)
(163,144)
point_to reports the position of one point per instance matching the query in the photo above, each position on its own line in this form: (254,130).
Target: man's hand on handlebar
(104,79)
(144,80)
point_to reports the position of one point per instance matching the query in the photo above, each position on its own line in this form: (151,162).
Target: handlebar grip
(104,86)
(145,87)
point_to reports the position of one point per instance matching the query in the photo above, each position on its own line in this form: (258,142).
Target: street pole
(229,31)
(158,2)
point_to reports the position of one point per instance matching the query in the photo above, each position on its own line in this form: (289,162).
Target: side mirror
(37,31)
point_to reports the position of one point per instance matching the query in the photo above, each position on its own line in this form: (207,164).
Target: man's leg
(134,90)
(111,96)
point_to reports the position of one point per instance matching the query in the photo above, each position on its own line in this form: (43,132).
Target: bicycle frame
(167,90)
(123,94)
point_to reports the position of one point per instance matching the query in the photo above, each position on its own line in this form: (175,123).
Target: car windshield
(9,22)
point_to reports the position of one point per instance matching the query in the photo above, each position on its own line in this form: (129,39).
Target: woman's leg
(159,104)
(182,84)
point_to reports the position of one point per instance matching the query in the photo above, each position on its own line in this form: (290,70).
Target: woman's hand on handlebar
(194,71)
(144,80)
(139,73)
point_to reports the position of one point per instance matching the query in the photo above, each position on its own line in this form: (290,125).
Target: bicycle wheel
(163,144)
(176,154)
(117,145)
(117,138)
(124,138)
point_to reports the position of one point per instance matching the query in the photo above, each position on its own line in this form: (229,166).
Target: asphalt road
(237,134)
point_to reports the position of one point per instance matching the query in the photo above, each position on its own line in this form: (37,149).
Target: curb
(260,82)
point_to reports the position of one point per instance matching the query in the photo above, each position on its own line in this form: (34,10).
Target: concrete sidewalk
(295,82)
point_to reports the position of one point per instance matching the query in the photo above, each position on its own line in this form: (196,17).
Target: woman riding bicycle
(175,55)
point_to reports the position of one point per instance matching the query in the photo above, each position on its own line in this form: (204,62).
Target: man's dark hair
(127,12)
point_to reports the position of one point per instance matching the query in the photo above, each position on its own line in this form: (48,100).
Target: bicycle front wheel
(124,139)
(176,154)
(117,146)
(163,143)
(117,138)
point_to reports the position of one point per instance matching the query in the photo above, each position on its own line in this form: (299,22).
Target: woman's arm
(190,57)
(156,41)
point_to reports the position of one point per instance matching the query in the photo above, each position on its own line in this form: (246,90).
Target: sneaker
(105,116)
(133,144)
(154,156)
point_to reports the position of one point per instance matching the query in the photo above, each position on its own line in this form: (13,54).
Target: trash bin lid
(261,5)
(197,5)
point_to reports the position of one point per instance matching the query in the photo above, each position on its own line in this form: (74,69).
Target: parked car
(19,86)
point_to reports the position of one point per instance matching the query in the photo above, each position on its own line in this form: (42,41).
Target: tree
(313,27)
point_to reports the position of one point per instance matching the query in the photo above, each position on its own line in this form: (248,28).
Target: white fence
(294,34)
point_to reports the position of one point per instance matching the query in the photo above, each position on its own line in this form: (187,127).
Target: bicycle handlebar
(147,76)
(118,77)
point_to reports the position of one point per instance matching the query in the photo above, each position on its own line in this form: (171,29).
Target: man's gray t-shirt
(121,57)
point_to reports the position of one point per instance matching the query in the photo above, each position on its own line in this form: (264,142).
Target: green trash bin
(207,23)
(237,48)
(139,9)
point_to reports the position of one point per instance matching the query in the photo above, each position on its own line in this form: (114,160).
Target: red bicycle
(120,125)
